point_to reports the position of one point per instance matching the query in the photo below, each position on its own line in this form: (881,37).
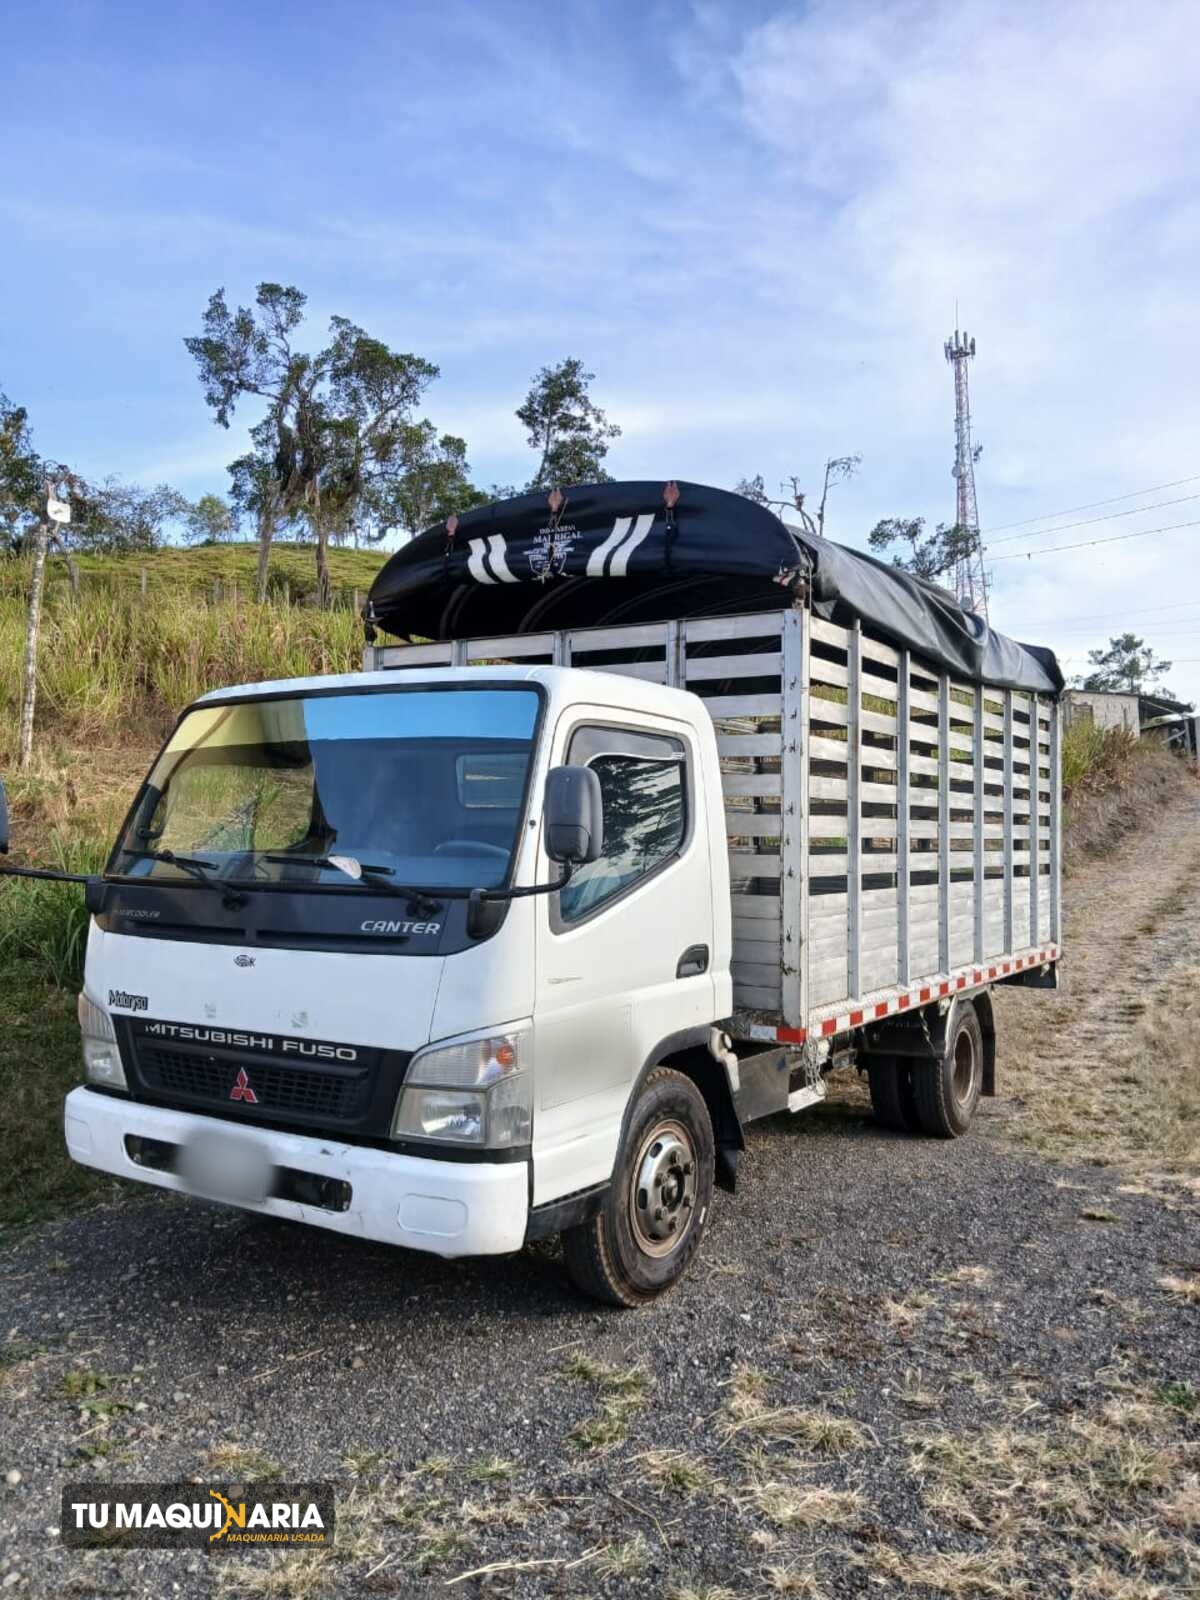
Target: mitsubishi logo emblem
(241,1089)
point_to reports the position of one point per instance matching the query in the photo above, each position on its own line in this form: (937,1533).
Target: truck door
(624,953)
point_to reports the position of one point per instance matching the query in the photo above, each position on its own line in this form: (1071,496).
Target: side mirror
(3,821)
(574,815)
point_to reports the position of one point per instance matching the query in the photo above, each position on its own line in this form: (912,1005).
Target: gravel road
(900,1367)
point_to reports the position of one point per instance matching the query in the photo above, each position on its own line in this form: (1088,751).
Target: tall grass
(110,659)
(174,570)
(46,923)
(1097,757)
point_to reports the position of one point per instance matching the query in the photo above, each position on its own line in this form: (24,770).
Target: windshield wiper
(377,878)
(195,868)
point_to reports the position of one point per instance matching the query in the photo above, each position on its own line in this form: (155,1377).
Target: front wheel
(642,1240)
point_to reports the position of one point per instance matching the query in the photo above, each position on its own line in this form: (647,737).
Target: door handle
(693,961)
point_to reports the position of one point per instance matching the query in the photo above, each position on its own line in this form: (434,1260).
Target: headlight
(101,1058)
(478,1092)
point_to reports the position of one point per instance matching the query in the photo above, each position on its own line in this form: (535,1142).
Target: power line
(1092,504)
(1102,616)
(1086,544)
(1088,522)
(1168,628)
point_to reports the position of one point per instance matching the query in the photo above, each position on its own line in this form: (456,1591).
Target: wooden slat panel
(873,756)
(762,951)
(827,827)
(874,650)
(823,865)
(761,625)
(743,705)
(828,789)
(922,700)
(750,997)
(825,710)
(765,974)
(827,980)
(511,646)
(753,824)
(828,672)
(415,655)
(751,783)
(756,907)
(648,671)
(827,633)
(753,864)
(749,744)
(625,636)
(882,794)
(762,666)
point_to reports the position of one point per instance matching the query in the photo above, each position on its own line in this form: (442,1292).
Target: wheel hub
(663,1190)
(964,1066)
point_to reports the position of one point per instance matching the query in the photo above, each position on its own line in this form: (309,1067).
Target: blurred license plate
(226,1168)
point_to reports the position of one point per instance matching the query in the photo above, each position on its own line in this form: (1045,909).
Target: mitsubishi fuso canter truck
(664,810)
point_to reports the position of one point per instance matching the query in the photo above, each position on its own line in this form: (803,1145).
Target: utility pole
(970,580)
(59,512)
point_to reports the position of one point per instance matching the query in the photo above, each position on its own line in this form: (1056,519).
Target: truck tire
(947,1090)
(642,1240)
(892,1097)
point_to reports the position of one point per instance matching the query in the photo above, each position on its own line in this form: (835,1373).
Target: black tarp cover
(611,553)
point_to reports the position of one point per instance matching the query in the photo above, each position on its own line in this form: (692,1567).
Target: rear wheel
(892,1098)
(642,1240)
(947,1090)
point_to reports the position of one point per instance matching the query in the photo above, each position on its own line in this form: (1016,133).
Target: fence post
(143,581)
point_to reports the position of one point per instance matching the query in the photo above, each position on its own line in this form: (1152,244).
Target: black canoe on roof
(608,553)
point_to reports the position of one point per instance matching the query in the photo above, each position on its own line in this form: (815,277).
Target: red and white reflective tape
(921,994)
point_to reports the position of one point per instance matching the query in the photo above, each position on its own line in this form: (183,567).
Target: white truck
(511,934)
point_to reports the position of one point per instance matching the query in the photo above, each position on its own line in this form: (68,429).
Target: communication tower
(970,580)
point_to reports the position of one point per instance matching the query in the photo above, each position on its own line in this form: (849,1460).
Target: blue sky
(752,220)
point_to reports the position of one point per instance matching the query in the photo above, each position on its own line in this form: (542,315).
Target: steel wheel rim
(964,1066)
(662,1190)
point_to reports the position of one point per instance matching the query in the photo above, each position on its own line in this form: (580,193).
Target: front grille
(327,1093)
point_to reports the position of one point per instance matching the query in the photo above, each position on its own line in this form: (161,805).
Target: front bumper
(448,1208)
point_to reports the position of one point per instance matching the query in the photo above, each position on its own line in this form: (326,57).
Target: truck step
(810,1095)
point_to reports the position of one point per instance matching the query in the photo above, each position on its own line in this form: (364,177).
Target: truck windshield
(425,786)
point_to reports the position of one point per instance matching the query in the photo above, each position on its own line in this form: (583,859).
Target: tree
(570,433)
(1128,664)
(928,556)
(116,518)
(248,353)
(211,520)
(22,477)
(431,480)
(837,470)
(753,489)
(337,449)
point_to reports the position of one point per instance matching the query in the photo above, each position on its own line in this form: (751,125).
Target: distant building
(1106,708)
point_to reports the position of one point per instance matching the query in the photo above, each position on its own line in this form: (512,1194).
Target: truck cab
(318,983)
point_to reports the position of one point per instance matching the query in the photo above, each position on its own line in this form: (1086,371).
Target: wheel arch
(688,1053)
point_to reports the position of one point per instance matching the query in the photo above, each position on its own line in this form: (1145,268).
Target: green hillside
(196,571)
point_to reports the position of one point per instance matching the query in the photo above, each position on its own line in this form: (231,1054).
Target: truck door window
(643,782)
